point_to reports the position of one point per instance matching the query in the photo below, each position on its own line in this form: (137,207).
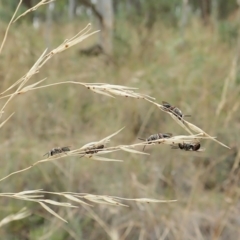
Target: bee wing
(67,148)
(170,134)
(166,104)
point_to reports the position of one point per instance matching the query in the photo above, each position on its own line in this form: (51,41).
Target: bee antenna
(142,139)
(46,154)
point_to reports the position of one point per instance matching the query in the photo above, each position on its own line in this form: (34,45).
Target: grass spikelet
(187,125)
(23,213)
(52,212)
(37,196)
(22,88)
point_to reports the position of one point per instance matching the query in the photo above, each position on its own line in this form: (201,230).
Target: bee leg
(46,154)
(144,147)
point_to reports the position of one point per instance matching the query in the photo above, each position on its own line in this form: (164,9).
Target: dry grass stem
(5,120)
(8,27)
(100,88)
(232,111)
(230,78)
(92,151)
(38,197)
(43,2)
(42,60)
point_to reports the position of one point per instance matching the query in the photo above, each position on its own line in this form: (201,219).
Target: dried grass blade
(8,27)
(6,120)
(51,211)
(13,173)
(15,84)
(147,96)
(100,202)
(121,93)
(107,151)
(31,87)
(52,202)
(23,213)
(133,151)
(70,197)
(227,82)
(105,159)
(97,199)
(110,200)
(111,86)
(30,191)
(110,136)
(179,122)
(82,32)
(199,130)
(149,200)
(100,92)
(30,196)
(79,39)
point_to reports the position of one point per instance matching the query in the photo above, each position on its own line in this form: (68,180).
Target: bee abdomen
(153,137)
(196,146)
(95,149)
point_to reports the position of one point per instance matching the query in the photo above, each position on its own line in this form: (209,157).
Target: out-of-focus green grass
(188,71)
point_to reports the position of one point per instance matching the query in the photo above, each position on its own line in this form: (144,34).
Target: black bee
(94,149)
(57,150)
(188,146)
(176,111)
(155,137)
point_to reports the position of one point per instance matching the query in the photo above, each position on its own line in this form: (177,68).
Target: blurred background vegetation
(184,52)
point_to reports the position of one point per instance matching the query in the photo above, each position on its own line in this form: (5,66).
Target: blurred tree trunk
(49,20)
(71,9)
(105,9)
(184,17)
(214,13)
(205,10)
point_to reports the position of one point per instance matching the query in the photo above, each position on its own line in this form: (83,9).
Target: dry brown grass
(97,88)
(205,184)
